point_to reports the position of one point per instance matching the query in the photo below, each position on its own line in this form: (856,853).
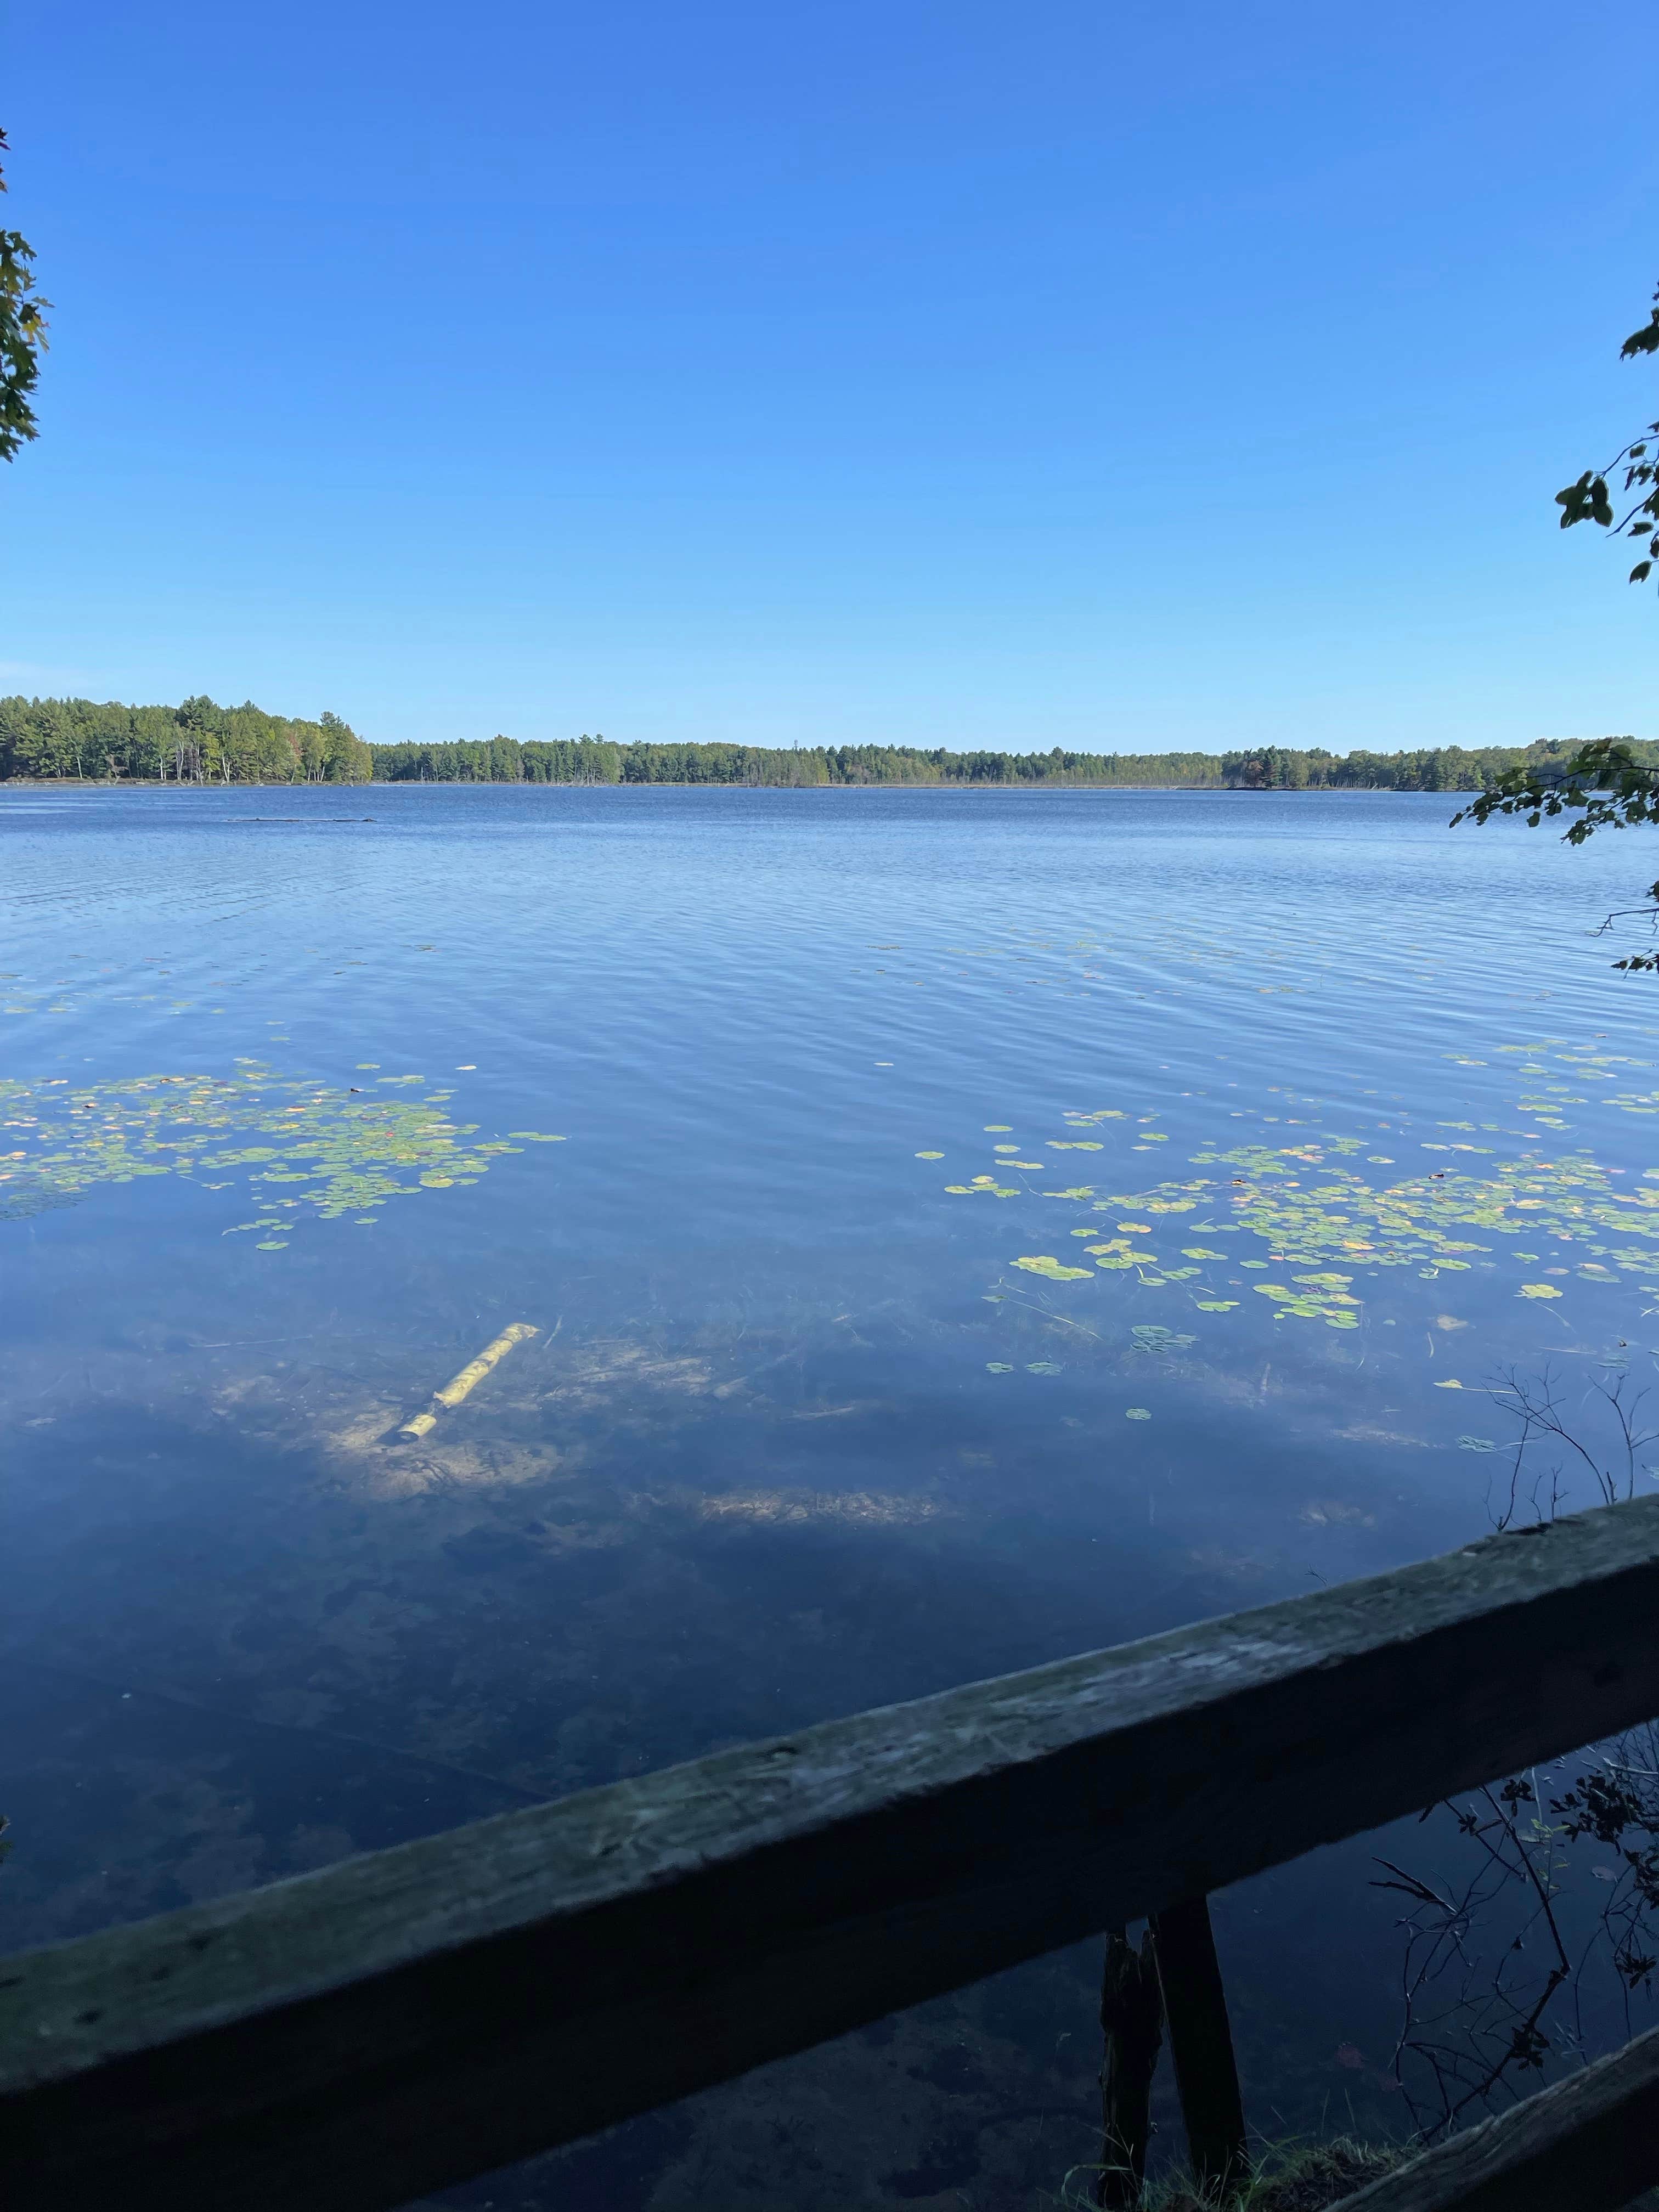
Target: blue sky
(1115,377)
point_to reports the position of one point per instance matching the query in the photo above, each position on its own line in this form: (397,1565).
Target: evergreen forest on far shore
(202,742)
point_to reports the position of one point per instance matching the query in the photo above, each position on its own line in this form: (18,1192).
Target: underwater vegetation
(345,1150)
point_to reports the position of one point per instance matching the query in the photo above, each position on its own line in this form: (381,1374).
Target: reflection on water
(1278,1144)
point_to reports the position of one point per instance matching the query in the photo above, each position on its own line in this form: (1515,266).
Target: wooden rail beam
(362,2035)
(1588,2144)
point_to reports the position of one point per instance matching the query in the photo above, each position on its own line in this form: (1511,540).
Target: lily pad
(344,1151)
(1312,1205)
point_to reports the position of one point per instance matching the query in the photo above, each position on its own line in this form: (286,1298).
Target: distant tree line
(1269,768)
(202,742)
(197,743)
(1430,768)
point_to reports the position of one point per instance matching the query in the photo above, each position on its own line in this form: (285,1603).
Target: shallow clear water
(1349,1109)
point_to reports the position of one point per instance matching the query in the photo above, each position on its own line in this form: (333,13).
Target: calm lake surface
(981,1227)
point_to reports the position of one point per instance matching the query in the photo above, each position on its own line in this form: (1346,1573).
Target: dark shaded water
(1348,1109)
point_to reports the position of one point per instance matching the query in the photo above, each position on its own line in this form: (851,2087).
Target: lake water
(981,1227)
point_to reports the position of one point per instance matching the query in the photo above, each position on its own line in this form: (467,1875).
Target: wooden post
(1131,2020)
(1201,2045)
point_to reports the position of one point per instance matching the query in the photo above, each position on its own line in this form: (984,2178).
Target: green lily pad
(1056,1270)
(344,1151)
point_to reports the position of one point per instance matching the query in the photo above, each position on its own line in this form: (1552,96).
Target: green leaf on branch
(22,337)
(1584,502)
(1646,340)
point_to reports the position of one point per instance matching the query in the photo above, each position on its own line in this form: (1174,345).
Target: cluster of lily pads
(1304,1217)
(345,1149)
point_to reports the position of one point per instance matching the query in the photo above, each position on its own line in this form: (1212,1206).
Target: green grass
(1287,2178)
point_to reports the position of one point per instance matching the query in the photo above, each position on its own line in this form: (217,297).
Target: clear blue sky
(1114,376)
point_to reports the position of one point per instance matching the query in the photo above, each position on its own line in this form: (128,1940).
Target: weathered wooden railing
(352,2039)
